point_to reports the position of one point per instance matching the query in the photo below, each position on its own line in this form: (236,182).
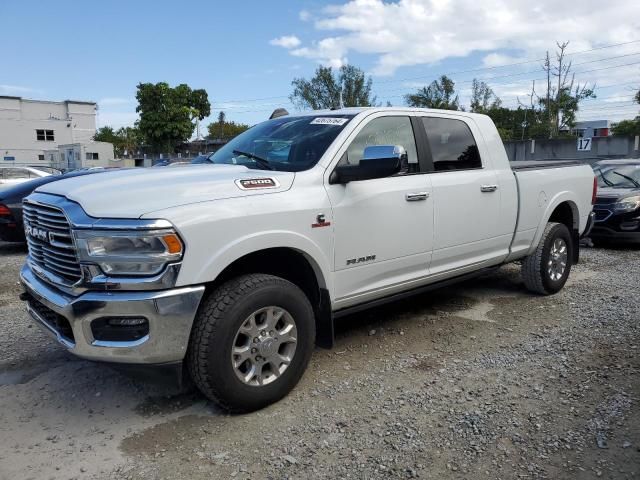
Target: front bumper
(590,222)
(170,314)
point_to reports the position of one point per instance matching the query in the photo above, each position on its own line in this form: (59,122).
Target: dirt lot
(482,380)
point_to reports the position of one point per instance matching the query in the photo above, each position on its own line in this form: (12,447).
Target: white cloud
(413,32)
(286,41)
(305,15)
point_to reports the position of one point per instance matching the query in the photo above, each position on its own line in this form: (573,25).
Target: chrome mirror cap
(375,152)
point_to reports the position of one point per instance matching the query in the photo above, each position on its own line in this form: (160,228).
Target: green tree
(323,90)
(629,127)
(483,99)
(129,140)
(167,114)
(221,121)
(224,129)
(439,94)
(105,134)
(125,140)
(563,96)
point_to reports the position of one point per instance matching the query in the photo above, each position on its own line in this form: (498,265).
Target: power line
(258,109)
(509,75)
(462,71)
(508,64)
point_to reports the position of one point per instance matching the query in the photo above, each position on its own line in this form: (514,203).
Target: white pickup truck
(233,271)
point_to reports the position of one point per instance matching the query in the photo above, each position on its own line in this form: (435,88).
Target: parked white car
(14,175)
(235,270)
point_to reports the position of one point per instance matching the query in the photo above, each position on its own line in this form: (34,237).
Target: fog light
(120,329)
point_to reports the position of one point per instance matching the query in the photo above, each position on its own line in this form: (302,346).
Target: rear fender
(561,197)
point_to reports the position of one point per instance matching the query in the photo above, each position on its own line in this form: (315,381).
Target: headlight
(129,253)
(628,204)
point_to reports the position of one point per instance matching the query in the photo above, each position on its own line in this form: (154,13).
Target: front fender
(222,257)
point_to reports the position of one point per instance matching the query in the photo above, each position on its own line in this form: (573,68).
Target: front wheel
(251,342)
(547,269)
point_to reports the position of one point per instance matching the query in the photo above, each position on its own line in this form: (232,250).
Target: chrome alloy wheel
(558,257)
(264,346)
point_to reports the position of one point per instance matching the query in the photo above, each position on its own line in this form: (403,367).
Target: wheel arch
(562,209)
(287,261)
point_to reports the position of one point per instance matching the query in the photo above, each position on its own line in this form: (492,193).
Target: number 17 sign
(584,144)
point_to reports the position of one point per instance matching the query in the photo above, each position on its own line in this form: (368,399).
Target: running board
(410,293)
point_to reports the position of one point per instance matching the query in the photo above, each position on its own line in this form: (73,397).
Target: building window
(91,156)
(41,157)
(45,135)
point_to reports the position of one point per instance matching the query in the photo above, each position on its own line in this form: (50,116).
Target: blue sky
(245,54)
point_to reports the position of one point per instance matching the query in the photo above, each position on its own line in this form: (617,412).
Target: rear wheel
(547,269)
(251,342)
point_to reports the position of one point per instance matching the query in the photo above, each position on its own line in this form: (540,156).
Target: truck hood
(135,192)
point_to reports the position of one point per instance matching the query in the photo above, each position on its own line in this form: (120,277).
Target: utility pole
(547,67)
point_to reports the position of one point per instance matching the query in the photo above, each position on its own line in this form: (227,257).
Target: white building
(58,134)
(592,128)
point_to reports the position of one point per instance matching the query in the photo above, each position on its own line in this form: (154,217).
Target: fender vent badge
(257,183)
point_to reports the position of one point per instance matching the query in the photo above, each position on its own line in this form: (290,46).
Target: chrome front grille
(50,242)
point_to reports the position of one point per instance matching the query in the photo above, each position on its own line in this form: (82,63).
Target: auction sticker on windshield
(329,121)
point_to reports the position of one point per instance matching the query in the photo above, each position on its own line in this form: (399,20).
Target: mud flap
(324,321)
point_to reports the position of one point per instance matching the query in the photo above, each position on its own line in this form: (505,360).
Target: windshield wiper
(608,182)
(635,184)
(263,162)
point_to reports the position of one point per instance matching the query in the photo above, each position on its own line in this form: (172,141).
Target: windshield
(619,176)
(289,144)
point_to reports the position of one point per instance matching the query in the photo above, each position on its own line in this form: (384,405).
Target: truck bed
(540,164)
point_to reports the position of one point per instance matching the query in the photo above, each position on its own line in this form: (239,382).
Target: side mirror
(378,161)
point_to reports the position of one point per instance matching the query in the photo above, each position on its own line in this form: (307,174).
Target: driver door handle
(416,197)
(488,188)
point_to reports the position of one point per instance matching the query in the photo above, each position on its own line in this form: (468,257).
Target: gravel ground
(481,380)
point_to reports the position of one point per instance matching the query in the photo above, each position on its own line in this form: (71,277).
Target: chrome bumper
(170,314)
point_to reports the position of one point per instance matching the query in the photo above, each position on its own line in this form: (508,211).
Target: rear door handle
(416,197)
(488,188)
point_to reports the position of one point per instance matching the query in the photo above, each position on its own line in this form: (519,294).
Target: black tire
(219,319)
(534,267)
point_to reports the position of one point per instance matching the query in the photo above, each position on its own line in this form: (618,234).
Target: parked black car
(11,226)
(617,206)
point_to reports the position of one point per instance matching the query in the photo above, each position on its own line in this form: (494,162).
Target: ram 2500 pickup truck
(233,271)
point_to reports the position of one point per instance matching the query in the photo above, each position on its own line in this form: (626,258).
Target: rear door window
(451,144)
